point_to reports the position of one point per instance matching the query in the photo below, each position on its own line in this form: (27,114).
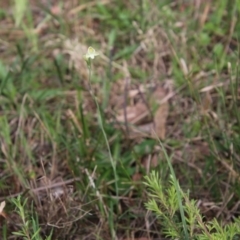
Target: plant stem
(113,163)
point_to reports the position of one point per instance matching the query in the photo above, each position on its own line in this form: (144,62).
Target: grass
(171,65)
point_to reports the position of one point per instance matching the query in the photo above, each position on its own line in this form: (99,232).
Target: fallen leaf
(161,114)
(139,118)
(206,103)
(160,118)
(134,114)
(2,206)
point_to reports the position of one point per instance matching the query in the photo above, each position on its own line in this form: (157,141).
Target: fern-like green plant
(30,229)
(163,202)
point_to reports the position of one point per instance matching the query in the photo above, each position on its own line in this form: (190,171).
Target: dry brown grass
(164,87)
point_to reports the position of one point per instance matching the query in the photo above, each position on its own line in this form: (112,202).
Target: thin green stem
(113,163)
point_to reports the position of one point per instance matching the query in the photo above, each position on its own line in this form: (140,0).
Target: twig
(35,190)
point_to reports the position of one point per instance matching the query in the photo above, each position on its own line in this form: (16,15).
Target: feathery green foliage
(164,204)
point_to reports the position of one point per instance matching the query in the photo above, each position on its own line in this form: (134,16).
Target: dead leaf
(160,116)
(206,103)
(139,114)
(134,114)
(160,119)
(2,206)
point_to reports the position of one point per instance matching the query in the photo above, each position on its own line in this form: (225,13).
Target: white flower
(91,53)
